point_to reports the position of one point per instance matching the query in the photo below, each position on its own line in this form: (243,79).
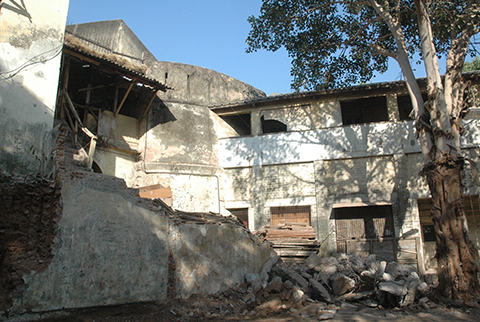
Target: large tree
(334,43)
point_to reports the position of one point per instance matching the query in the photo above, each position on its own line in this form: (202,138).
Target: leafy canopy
(473,65)
(339,43)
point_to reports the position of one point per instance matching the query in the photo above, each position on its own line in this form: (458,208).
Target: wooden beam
(124,99)
(90,88)
(82,57)
(149,104)
(91,151)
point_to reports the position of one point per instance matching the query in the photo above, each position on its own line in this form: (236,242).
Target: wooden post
(124,99)
(91,151)
(149,104)
(420,258)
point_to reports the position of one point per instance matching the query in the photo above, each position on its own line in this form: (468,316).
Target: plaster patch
(26,39)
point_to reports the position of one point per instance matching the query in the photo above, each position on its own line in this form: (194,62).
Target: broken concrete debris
(321,286)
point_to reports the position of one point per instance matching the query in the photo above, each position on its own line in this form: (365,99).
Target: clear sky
(207,33)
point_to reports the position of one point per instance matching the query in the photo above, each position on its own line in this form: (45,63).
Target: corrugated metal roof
(138,76)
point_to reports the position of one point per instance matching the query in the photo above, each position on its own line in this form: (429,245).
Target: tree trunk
(456,254)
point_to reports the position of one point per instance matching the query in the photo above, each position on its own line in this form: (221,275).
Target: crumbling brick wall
(29,210)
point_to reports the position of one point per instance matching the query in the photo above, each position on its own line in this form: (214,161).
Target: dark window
(240,123)
(428,233)
(405,106)
(273,126)
(364,110)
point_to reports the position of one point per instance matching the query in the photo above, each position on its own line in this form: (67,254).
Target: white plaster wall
(31,38)
(360,180)
(116,163)
(373,139)
(119,127)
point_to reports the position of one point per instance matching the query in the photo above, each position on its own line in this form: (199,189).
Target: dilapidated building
(96,111)
(344,161)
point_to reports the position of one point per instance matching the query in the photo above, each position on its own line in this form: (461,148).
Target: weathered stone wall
(31,39)
(110,247)
(201,86)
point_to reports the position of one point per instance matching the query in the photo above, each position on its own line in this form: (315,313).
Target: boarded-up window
(362,230)
(292,214)
(369,222)
(241,213)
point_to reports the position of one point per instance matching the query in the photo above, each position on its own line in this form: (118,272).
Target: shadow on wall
(161,114)
(18,7)
(360,166)
(24,122)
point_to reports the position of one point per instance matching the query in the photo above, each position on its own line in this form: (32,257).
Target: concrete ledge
(179,168)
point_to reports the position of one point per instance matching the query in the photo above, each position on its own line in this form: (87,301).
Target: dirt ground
(222,308)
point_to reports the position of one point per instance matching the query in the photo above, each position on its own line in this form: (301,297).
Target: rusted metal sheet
(155,191)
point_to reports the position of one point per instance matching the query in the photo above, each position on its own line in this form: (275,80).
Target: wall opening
(240,123)
(273,126)
(241,213)
(364,110)
(290,214)
(405,106)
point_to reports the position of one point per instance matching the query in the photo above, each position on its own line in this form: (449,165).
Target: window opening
(240,123)
(364,110)
(405,106)
(273,126)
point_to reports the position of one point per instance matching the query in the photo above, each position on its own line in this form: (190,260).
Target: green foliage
(336,43)
(473,65)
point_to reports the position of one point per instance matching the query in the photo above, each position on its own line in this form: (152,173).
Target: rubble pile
(321,286)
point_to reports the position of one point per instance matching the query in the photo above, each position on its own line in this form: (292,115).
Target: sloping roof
(393,85)
(73,47)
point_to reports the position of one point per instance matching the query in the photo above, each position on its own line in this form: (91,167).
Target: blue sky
(207,33)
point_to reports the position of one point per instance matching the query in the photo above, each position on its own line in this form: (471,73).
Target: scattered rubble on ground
(321,286)
(339,287)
